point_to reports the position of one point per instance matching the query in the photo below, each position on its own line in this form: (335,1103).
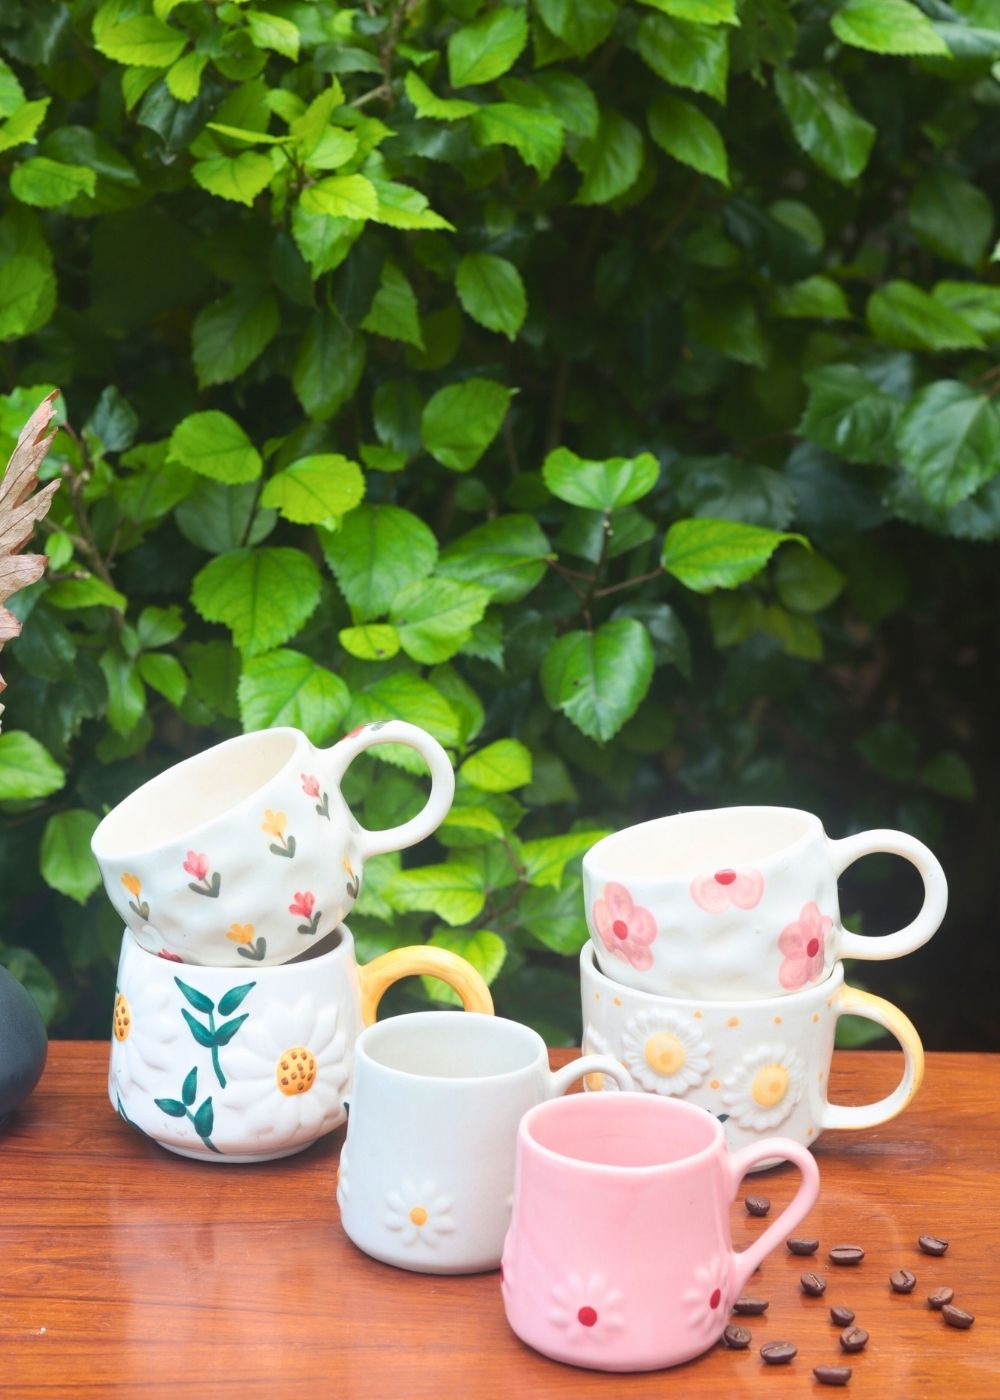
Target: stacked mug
(714,969)
(239,998)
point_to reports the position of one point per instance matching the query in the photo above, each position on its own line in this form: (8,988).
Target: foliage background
(607,387)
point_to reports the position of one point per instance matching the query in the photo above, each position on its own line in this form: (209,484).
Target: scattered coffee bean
(751,1307)
(930,1244)
(957,1317)
(799,1245)
(832,1375)
(777,1353)
(813,1284)
(940,1296)
(902,1280)
(843,1317)
(737,1338)
(846,1254)
(757,1205)
(854,1339)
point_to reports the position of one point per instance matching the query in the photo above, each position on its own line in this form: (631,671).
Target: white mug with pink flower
(738,902)
(248,853)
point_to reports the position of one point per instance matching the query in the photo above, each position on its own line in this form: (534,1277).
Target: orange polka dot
(821,1076)
(777,1020)
(618,1001)
(733,1021)
(697,1015)
(815,1015)
(715,1084)
(809,1132)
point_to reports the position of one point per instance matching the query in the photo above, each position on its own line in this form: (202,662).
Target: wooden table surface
(125,1270)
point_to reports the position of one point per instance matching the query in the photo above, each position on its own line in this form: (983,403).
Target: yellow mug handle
(422,960)
(851,1001)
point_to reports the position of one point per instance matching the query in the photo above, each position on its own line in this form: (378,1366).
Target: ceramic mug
(619,1255)
(427,1169)
(738,902)
(246,1064)
(241,853)
(759,1066)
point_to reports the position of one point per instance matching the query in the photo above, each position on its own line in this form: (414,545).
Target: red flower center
(715,1299)
(812,947)
(725,877)
(586,1317)
(620,928)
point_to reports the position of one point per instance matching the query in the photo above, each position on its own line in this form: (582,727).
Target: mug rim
(595,860)
(608,1103)
(413,1077)
(344,948)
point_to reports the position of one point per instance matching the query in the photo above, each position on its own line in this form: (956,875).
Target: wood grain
(127,1270)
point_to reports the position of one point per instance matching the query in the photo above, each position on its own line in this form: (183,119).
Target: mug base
(620,1365)
(415,1266)
(236,1158)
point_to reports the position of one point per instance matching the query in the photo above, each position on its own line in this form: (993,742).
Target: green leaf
(219,518)
(506,555)
(228,335)
(805,581)
(887,26)
(11,91)
(849,416)
(315,490)
(273,32)
(67,864)
(486,48)
(48,183)
(399,206)
(485,950)
(685,133)
(545,860)
(580,24)
(950,775)
(818,296)
(378,550)
(499,767)
(143,41)
(214,445)
(598,679)
(404,693)
(26,287)
(23,124)
(126,692)
(705,554)
(343,196)
(165,674)
(977,303)
(698,11)
(322,240)
(237,178)
(570,98)
(599,485)
(470,826)
(158,626)
(901,314)
(328,366)
(394,311)
(428,104)
(694,56)
(611,162)
(726,319)
(372,641)
(492,293)
(454,891)
(824,123)
(951,217)
(555,917)
(263,595)
(461,420)
(537,136)
(88,592)
(285,687)
(433,617)
(183,79)
(27,770)
(949,441)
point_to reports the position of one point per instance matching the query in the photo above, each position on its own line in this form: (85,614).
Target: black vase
(23,1044)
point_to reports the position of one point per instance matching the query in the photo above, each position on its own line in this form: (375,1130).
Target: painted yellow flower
(240,933)
(274,823)
(133,884)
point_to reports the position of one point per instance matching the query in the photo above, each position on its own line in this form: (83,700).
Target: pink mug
(619,1255)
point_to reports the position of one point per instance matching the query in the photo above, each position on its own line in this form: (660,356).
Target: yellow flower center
(664,1053)
(122,1022)
(296,1071)
(418,1215)
(770,1085)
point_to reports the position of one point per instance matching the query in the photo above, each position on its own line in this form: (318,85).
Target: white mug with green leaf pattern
(247,853)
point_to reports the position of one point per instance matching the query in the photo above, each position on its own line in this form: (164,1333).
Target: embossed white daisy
(421,1212)
(763,1087)
(144,1033)
(664,1052)
(587,1306)
(706,1301)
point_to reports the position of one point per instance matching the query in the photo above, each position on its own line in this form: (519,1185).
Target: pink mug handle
(802,1203)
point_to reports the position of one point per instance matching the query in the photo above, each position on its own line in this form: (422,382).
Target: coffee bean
(854,1339)
(843,1317)
(902,1281)
(813,1284)
(846,1254)
(757,1205)
(832,1375)
(778,1353)
(751,1307)
(799,1245)
(930,1244)
(940,1296)
(957,1317)
(737,1338)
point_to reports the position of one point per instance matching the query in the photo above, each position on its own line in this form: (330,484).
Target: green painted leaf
(499,767)
(849,416)
(698,11)
(371,641)
(67,864)
(611,162)
(172,1107)
(506,555)
(580,24)
(273,32)
(598,679)
(228,335)
(328,366)
(492,293)
(343,196)
(204,1120)
(378,550)
(22,125)
(27,770)
(214,445)
(486,48)
(599,485)
(887,26)
(285,687)
(903,315)
(142,40)
(234,998)
(485,950)
(461,420)
(262,595)
(705,554)
(694,56)
(126,692)
(824,123)
(394,312)
(951,217)
(315,490)
(165,674)
(818,296)
(685,133)
(537,136)
(48,183)
(949,441)
(433,617)
(454,891)
(237,178)
(428,104)
(189,1089)
(545,860)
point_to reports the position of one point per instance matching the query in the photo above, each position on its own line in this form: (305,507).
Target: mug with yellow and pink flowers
(248,853)
(738,902)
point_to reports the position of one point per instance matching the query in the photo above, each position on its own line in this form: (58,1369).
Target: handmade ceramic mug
(619,1255)
(427,1170)
(738,902)
(246,1064)
(247,851)
(759,1066)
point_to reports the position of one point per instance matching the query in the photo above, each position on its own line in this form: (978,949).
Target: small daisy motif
(586,1306)
(420,1213)
(664,1053)
(706,1301)
(763,1087)
(144,1030)
(723,888)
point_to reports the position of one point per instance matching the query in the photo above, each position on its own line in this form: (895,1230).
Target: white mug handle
(431,815)
(561,1079)
(852,1002)
(798,1208)
(925,925)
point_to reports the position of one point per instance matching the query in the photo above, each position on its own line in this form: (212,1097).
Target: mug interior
(450,1045)
(621,1130)
(691,842)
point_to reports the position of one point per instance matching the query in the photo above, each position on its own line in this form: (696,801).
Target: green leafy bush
(606,387)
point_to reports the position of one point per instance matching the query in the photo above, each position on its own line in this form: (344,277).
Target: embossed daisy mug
(248,852)
(619,1255)
(738,902)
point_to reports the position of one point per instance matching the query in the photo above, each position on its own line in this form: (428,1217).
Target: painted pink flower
(625,928)
(196,865)
(717,892)
(310,785)
(302,904)
(802,943)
